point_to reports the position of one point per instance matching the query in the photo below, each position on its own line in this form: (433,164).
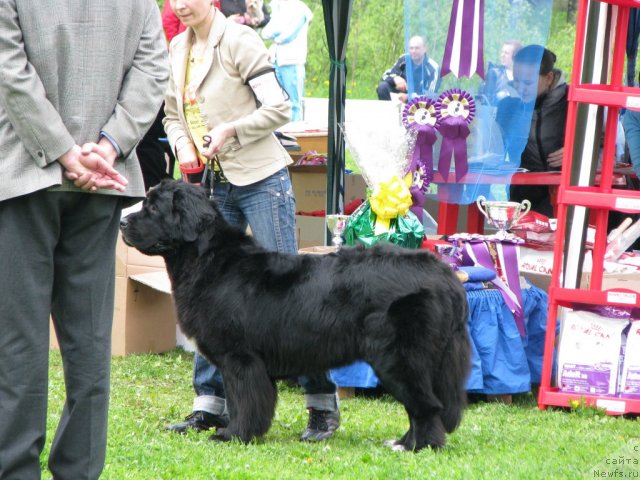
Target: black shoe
(322,424)
(200,421)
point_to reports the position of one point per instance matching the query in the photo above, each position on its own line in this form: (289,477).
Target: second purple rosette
(455,109)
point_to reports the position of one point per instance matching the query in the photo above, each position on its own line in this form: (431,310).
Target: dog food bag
(630,378)
(589,352)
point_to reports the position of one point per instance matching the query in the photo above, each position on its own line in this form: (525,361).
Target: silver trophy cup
(502,215)
(337,223)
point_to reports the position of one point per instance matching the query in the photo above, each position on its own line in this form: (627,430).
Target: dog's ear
(192,211)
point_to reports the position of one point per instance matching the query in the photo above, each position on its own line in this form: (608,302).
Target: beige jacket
(234,55)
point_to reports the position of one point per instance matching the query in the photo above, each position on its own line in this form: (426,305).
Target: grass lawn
(495,441)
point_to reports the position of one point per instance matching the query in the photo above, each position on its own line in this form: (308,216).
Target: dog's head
(172,215)
(253,5)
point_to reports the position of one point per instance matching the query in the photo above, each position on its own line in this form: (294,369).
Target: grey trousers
(57,255)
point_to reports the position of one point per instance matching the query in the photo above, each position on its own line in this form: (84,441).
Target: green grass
(495,441)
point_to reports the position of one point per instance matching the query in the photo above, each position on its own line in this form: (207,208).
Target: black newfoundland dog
(262,316)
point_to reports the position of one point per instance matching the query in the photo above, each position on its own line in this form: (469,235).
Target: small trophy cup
(502,215)
(337,223)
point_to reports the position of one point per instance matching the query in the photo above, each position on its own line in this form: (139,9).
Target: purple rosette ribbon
(464,50)
(420,116)
(455,109)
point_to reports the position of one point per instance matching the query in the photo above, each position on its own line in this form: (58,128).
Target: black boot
(322,424)
(200,421)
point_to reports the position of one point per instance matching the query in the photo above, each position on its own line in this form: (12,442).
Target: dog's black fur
(261,316)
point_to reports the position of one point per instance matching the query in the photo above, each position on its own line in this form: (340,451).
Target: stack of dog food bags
(599,352)
(630,372)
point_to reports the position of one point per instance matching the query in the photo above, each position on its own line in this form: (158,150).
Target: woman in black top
(536,144)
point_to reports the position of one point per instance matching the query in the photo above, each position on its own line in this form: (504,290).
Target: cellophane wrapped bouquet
(380,149)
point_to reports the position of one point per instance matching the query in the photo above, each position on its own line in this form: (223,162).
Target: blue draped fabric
(502,361)
(358,374)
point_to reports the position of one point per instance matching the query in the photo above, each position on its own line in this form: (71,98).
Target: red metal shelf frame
(601,198)
(621,200)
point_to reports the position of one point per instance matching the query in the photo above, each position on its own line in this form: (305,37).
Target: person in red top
(172,26)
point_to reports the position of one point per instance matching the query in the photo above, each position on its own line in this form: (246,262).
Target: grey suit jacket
(70,69)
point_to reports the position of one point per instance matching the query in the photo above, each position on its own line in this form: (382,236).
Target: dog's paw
(221,435)
(395,445)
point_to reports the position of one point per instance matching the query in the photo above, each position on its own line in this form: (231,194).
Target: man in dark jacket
(533,125)
(425,74)
(499,78)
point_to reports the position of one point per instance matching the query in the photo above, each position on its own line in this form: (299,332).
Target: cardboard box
(540,280)
(126,255)
(144,319)
(310,231)
(628,281)
(310,187)
(310,190)
(316,142)
(318,250)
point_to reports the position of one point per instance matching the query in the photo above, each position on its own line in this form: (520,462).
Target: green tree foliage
(561,41)
(376,40)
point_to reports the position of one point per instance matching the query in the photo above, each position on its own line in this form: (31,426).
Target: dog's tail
(453,373)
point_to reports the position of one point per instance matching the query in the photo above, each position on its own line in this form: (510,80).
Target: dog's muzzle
(156,249)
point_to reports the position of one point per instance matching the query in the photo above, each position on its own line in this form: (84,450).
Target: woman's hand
(187,154)
(219,136)
(555,158)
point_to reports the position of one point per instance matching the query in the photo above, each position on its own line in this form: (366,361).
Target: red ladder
(600,199)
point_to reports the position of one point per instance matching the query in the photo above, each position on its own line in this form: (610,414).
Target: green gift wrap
(404,231)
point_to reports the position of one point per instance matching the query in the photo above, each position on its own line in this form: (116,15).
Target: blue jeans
(268,207)
(291,77)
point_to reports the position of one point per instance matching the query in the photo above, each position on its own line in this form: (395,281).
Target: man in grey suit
(80,83)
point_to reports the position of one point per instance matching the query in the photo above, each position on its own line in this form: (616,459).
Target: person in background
(498,83)
(288,29)
(223,86)
(425,74)
(533,125)
(252,13)
(170,22)
(78,89)
(631,125)
(153,153)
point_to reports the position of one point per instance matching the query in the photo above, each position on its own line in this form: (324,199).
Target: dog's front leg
(251,397)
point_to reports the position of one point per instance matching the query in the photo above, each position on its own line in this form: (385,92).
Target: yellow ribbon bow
(389,200)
